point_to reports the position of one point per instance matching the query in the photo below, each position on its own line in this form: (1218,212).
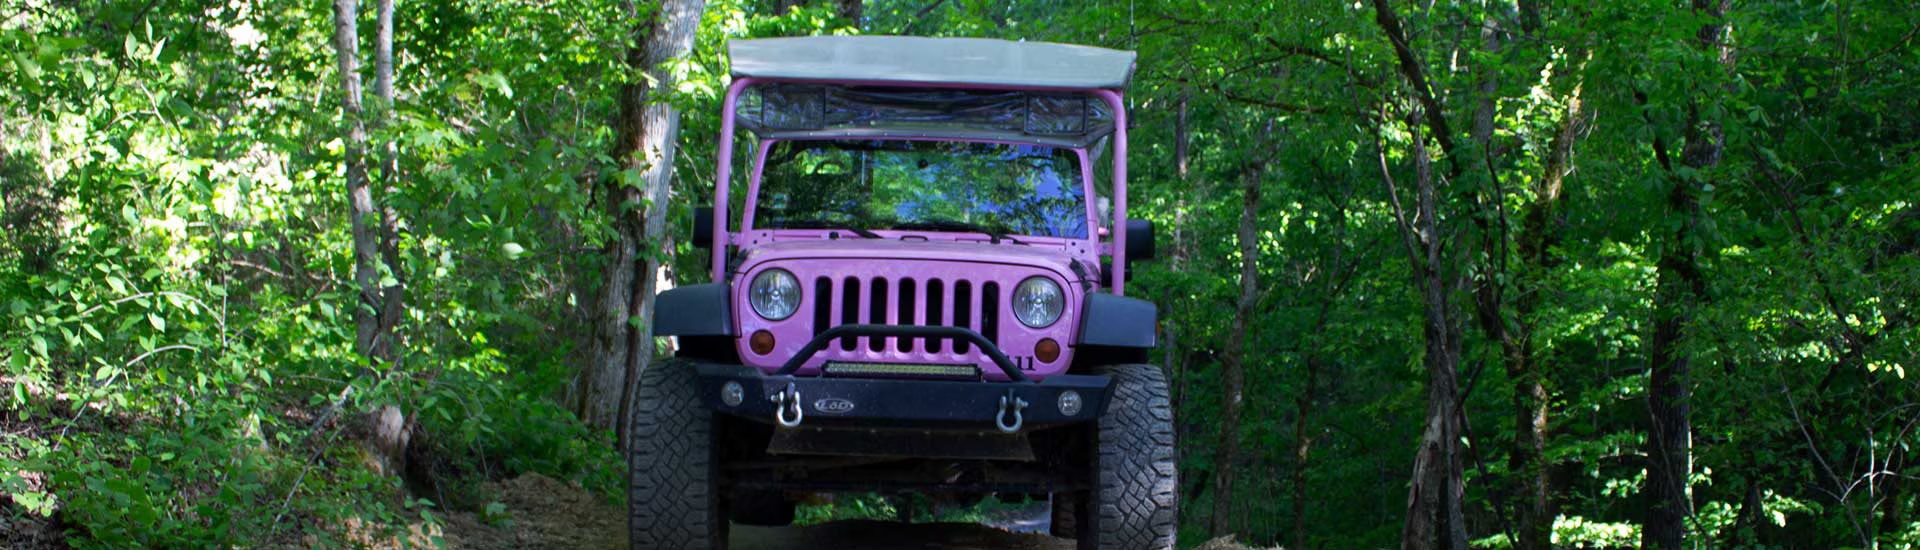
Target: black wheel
(1135,497)
(762,508)
(673,493)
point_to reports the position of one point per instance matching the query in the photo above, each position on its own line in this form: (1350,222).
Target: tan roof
(909,59)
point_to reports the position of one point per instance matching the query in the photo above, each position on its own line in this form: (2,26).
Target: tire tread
(673,500)
(1135,501)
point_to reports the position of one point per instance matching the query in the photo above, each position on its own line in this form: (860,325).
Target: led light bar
(902,369)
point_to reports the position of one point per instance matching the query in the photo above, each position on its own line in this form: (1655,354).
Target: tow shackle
(785,401)
(1010,405)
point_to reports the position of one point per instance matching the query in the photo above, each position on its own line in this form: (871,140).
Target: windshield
(930,185)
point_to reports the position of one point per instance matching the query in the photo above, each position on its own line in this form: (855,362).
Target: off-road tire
(1134,502)
(673,493)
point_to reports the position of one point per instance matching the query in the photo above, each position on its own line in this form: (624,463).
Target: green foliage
(845,507)
(1806,247)
(176,301)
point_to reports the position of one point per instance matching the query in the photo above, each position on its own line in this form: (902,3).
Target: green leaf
(158,323)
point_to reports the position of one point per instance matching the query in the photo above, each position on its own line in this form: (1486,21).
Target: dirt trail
(546,513)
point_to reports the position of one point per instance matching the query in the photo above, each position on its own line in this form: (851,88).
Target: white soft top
(917,60)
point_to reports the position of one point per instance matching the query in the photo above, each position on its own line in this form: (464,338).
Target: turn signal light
(1047,350)
(761,342)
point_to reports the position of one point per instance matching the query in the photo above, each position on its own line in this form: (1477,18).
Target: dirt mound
(541,512)
(23,531)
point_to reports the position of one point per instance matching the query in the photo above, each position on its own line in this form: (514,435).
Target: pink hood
(1052,257)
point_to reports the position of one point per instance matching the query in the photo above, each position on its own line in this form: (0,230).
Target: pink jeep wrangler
(924,294)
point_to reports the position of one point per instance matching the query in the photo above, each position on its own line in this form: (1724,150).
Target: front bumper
(786,400)
(903,403)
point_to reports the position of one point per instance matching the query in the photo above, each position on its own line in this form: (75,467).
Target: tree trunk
(1233,369)
(1303,450)
(1434,514)
(1176,259)
(1526,367)
(851,10)
(1670,429)
(1180,133)
(644,144)
(1679,285)
(361,211)
(387,427)
(393,295)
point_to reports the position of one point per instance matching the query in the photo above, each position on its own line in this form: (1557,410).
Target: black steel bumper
(784,399)
(892,402)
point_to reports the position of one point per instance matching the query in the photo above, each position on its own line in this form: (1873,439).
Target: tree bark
(1434,514)
(1679,285)
(851,10)
(361,211)
(1526,367)
(1303,450)
(1180,133)
(387,428)
(1515,334)
(1176,261)
(393,295)
(1233,369)
(645,143)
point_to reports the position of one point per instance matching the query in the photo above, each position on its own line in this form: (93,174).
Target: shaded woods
(1438,275)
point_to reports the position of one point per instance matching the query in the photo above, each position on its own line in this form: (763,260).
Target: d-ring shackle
(785,400)
(1010,403)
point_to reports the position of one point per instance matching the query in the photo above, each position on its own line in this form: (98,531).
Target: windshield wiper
(817,224)
(993,235)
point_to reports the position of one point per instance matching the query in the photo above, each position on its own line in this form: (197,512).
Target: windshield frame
(1089,202)
(1110,241)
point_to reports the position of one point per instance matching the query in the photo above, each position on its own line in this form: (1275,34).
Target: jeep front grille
(907,301)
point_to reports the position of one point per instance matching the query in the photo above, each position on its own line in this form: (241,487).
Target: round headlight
(1037,302)
(774,294)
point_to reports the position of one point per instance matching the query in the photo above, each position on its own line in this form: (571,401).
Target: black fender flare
(693,310)
(1118,321)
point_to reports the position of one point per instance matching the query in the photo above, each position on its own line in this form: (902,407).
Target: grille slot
(936,312)
(962,313)
(990,311)
(849,309)
(877,312)
(822,305)
(906,312)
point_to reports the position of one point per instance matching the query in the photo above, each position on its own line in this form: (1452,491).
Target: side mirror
(703,226)
(1139,248)
(1139,240)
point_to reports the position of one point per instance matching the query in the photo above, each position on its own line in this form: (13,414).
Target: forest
(1435,274)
